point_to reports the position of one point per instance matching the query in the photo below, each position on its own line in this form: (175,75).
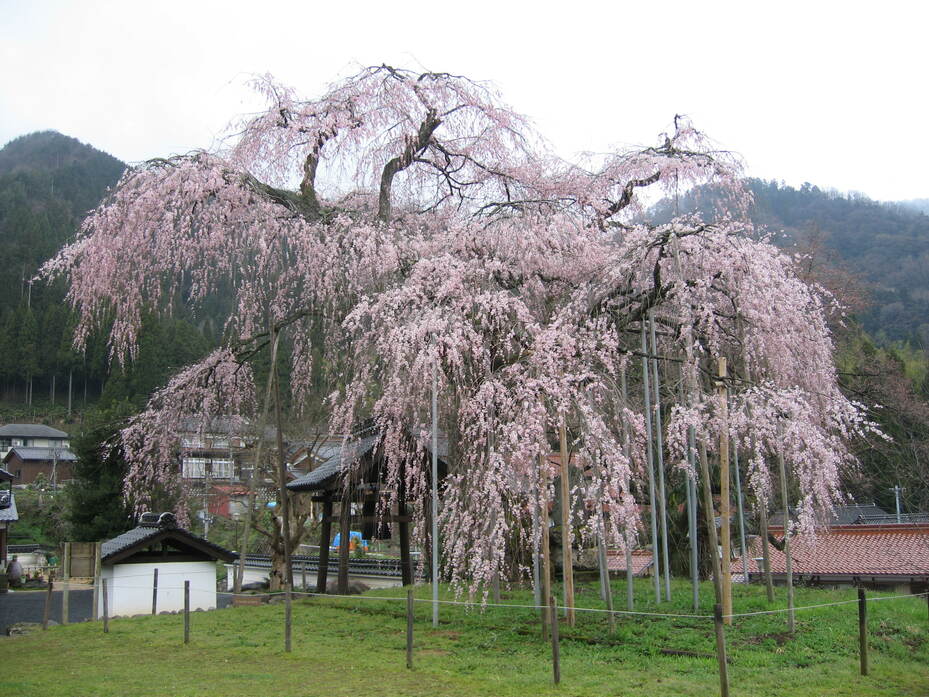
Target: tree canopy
(424,223)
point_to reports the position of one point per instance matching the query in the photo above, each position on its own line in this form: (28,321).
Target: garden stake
(186,612)
(556,654)
(155,592)
(288,613)
(863,630)
(409,629)
(48,605)
(721,650)
(106,619)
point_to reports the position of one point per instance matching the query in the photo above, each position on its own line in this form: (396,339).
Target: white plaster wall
(259,574)
(129,587)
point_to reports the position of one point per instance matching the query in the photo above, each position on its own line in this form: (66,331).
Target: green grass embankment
(357,647)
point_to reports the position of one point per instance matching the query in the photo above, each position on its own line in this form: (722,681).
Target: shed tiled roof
(4,475)
(641,561)
(42,454)
(842,515)
(30,431)
(852,550)
(147,533)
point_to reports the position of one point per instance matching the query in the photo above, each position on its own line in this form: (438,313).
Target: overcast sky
(830,93)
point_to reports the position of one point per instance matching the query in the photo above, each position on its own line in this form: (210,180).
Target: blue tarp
(353,535)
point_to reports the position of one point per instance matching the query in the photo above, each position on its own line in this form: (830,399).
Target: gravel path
(29,606)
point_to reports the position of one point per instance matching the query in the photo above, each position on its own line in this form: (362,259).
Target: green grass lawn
(357,647)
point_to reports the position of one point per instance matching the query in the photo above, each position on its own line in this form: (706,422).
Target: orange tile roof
(852,550)
(641,561)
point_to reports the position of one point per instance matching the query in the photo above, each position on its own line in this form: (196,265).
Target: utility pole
(896,489)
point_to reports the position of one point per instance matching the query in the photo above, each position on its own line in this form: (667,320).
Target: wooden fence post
(556,650)
(288,616)
(721,650)
(186,612)
(155,593)
(863,630)
(106,619)
(409,629)
(96,579)
(66,575)
(48,606)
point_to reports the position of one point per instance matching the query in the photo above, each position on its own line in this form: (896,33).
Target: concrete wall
(129,587)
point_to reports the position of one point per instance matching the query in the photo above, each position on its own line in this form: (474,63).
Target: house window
(222,469)
(191,442)
(5,443)
(194,467)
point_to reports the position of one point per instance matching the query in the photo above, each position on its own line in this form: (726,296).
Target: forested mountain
(48,182)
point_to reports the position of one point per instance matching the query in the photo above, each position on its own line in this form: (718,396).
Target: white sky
(833,93)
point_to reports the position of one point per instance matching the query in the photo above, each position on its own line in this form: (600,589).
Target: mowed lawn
(357,647)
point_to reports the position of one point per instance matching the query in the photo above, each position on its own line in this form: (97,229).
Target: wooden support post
(546,548)
(710,521)
(567,558)
(409,628)
(406,568)
(766,550)
(724,496)
(607,590)
(721,650)
(48,605)
(186,612)
(556,649)
(927,601)
(495,587)
(288,616)
(788,557)
(325,531)
(345,511)
(863,630)
(96,600)
(155,592)
(106,611)
(303,586)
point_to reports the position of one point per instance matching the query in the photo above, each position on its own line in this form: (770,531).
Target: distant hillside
(48,183)
(920,205)
(886,245)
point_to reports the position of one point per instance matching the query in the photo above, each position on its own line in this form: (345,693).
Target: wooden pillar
(567,558)
(724,496)
(406,569)
(345,510)
(324,540)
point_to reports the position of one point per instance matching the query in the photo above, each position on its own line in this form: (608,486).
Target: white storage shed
(128,565)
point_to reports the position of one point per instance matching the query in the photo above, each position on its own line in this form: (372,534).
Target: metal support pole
(651,467)
(738,491)
(659,452)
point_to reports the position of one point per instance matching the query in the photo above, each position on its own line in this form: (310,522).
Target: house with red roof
(887,557)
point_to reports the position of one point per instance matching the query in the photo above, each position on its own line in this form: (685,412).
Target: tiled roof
(852,550)
(162,528)
(641,561)
(30,431)
(843,515)
(4,475)
(42,454)
(325,475)
(9,514)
